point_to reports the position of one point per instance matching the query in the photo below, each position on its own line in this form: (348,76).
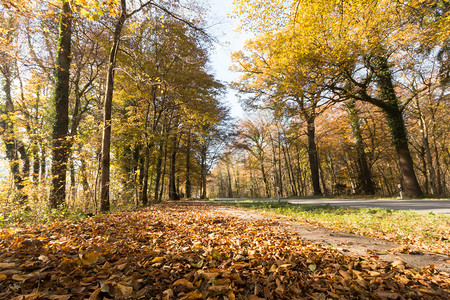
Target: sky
(223,28)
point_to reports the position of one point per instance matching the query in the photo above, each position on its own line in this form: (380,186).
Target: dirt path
(349,243)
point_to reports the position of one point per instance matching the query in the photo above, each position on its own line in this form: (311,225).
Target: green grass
(427,231)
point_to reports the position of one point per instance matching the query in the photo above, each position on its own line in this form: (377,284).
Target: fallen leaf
(158,259)
(183,285)
(59,297)
(192,296)
(7,265)
(19,277)
(125,290)
(89,258)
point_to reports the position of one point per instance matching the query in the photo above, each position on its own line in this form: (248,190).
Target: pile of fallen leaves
(187,251)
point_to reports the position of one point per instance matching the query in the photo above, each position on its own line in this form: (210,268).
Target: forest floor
(198,250)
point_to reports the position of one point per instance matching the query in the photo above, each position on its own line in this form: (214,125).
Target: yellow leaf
(158,259)
(19,277)
(3,277)
(89,258)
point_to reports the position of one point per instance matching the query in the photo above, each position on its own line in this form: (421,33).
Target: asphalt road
(431,205)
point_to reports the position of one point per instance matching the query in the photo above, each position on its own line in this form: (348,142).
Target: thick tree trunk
(313,157)
(398,131)
(397,127)
(61,124)
(366,184)
(106,139)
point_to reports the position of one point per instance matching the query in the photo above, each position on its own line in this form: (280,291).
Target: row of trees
(377,68)
(107,98)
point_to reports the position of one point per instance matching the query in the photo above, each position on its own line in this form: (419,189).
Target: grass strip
(427,231)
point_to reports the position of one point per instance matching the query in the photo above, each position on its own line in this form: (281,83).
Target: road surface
(426,206)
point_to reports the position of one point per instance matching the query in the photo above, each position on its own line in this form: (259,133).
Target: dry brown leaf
(125,290)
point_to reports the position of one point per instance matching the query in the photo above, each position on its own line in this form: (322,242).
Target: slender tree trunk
(73,183)
(173,195)
(106,139)
(229,189)
(85,183)
(43,165)
(366,183)
(266,183)
(144,193)
(8,135)
(313,157)
(287,160)
(188,166)
(158,173)
(203,172)
(163,176)
(36,163)
(427,149)
(61,124)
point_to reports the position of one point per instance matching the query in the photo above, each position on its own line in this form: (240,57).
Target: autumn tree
(13,144)
(359,42)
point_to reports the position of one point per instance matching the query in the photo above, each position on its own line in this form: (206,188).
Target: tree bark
(173,195)
(390,105)
(8,135)
(61,124)
(158,173)
(188,166)
(203,172)
(106,139)
(366,184)
(313,158)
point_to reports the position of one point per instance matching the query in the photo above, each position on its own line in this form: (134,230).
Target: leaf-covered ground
(187,251)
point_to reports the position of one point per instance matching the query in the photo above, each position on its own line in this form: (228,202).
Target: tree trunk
(61,124)
(158,173)
(188,166)
(366,184)
(85,184)
(173,195)
(144,193)
(163,175)
(290,172)
(43,165)
(266,183)
(313,158)
(8,135)
(203,172)
(106,139)
(36,163)
(229,189)
(397,127)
